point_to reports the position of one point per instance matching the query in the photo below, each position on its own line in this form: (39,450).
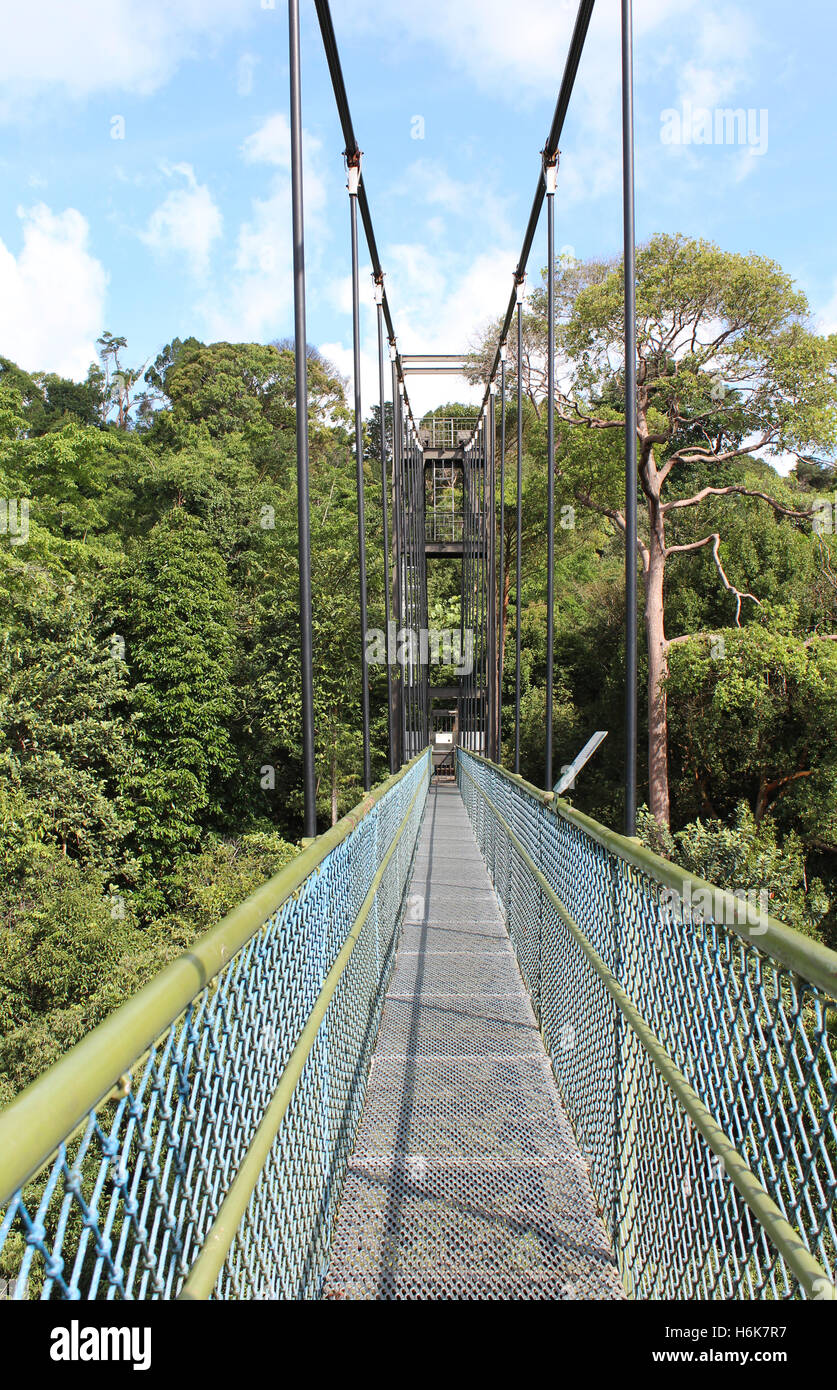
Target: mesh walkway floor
(466,1181)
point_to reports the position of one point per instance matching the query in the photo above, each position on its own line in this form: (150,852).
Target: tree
(727,367)
(116,382)
(173,618)
(62,716)
(244,386)
(50,401)
(753,715)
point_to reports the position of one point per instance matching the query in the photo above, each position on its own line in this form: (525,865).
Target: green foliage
(744,856)
(149,640)
(753,713)
(150,750)
(173,609)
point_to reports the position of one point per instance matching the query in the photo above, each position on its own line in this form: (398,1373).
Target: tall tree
(727,368)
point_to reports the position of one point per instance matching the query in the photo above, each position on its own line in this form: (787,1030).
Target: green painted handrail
(811,959)
(785,1238)
(204,1273)
(48,1111)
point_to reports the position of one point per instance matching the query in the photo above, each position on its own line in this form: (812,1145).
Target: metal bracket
(550,172)
(353,171)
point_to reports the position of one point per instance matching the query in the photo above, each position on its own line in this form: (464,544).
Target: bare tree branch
(715,541)
(778,508)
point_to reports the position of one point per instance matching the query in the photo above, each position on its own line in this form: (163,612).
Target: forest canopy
(150,755)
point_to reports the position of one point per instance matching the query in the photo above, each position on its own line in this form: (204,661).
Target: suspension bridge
(470,1043)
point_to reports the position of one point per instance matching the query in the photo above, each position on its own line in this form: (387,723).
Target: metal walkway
(466,1181)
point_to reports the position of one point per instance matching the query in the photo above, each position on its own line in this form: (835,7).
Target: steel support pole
(398,525)
(466,593)
(550,172)
(461,703)
(415,622)
(477,589)
(481,542)
(519,524)
(469,595)
(630,419)
(485,583)
(502,569)
(409,579)
(393,764)
(491,628)
(405,580)
(354,180)
(301,372)
(425,610)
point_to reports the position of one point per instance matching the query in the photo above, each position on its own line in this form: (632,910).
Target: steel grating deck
(466,1181)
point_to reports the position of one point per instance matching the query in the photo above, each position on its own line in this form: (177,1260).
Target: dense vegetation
(149,680)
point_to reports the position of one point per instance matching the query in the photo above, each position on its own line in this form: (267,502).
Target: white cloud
(188,221)
(52,294)
(257,301)
(270,144)
(78,50)
(517,53)
(438,306)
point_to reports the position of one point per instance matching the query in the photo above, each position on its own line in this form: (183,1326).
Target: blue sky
(183,226)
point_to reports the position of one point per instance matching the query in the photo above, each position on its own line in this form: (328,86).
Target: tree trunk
(658,794)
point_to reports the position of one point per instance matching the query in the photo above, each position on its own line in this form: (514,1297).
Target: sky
(144,162)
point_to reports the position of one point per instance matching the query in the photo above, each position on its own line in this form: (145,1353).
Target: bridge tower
(457,507)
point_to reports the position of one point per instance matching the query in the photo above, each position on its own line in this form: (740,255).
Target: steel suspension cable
(407,573)
(579,35)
